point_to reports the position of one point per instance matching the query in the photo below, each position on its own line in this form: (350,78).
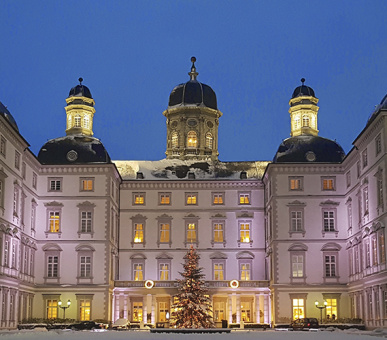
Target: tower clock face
(192,122)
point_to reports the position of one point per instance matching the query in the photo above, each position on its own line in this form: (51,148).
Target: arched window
(192,139)
(305,121)
(86,122)
(209,141)
(175,140)
(77,121)
(296,123)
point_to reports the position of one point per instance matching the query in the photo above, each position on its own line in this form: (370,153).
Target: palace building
(274,238)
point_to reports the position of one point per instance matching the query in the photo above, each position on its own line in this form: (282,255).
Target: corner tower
(192,120)
(303,111)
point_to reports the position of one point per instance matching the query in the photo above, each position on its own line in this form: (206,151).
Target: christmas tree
(191,307)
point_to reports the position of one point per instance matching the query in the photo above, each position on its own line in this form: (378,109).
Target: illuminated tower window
(209,141)
(175,140)
(77,121)
(86,122)
(192,139)
(305,121)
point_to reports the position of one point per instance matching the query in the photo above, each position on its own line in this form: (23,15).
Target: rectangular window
(296,220)
(380,199)
(330,265)
(349,213)
(298,308)
(367,254)
(55,184)
(364,158)
(23,170)
(138,233)
(218,271)
(17,160)
(3,146)
(218,198)
(163,311)
(245,271)
(165,198)
(374,250)
(358,169)
(244,198)
(34,180)
(15,201)
(328,183)
(138,272)
(218,232)
(245,311)
(1,193)
(329,220)
(86,221)
(297,266)
(164,271)
(348,178)
(378,144)
(219,311)
(137,311)
(6,253)
(84,309)
(191,198)
(13,256)
(365,201)
(52,309)
(382,249)
(85,266)
(54,221)
(295,183)
(164,232)
(191,232)
(52,266)
(331,309)
(244,232)
(33,216)
(139,198)
(87,184)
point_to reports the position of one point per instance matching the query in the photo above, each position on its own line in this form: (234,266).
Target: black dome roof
(306,148)
(80,90)
(74,149)
(303,90)
(193,93)
(7,115)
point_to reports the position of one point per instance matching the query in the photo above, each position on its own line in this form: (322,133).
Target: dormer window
(192,139)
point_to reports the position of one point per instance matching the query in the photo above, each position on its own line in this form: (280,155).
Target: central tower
(192,120)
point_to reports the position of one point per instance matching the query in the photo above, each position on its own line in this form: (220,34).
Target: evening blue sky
(131,55)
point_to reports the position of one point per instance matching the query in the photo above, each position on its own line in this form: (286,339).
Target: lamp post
(64,307)
(321,308)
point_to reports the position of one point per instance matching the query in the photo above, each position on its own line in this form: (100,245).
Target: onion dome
(80,90)
(309,149)
(193,93)
(303,91)
(73,149)
(7,115)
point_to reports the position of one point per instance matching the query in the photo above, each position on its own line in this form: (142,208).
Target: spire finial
(302,81)
(193,74)
(80,80)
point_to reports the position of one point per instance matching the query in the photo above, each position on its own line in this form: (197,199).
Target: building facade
(274,237)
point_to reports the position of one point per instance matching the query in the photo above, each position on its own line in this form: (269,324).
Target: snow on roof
(175,169)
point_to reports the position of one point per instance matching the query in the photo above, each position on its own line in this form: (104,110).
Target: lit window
(297,265)
(217,198)
(54,221)
(245,311)
(164,271)
(298,308)
(84,309)
(175,140)
(138,233)
(329,220)
(331,309)
(245,271)
(17,160)
(138,272)
(3,145)
(244,232)
(209,141)
(382,247)
(244,198)
(86,122)
(330,265)
(163,311)
(139,198)
(218,271)
(297,123)
(85,266)
(218,232)
(55,184)
(328,183)
(87,184)
(296,220)
(191,232)
(295,183)
(305,121)
(219,311)
(52,309)
(192,139)
(137,311)
(165,198)
(52,266)
(164,232)
(77,121)
(191,198)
